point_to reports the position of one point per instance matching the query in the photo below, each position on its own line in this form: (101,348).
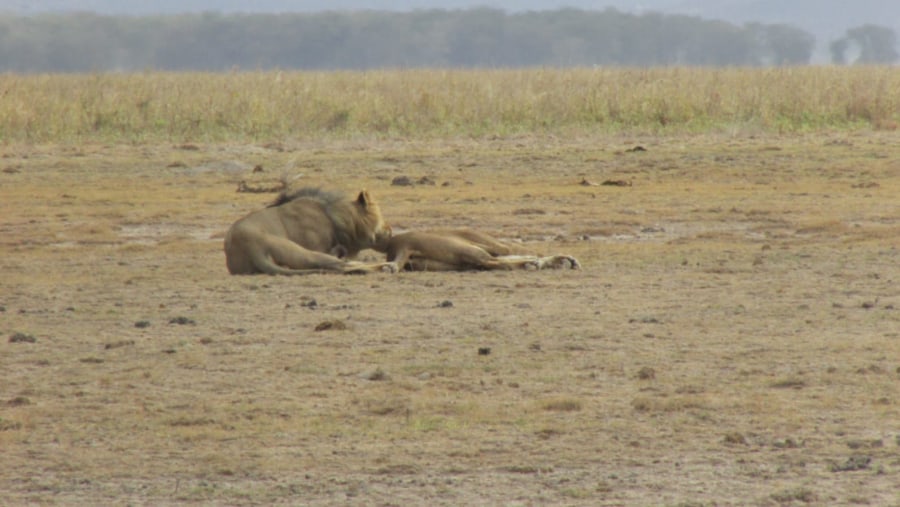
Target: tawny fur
(465,250)
(304,232)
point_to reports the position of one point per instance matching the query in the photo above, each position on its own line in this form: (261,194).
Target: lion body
(300,232)
(465,250)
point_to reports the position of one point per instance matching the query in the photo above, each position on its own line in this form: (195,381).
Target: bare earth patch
(733,338)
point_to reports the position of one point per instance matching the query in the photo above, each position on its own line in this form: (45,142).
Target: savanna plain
(732,339)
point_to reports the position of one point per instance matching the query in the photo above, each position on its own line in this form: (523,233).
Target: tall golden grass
(161,106)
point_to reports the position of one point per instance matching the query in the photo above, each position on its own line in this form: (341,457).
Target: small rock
(401,181)
(484,351)
(141,324)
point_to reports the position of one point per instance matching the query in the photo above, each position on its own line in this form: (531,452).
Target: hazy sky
(825,19)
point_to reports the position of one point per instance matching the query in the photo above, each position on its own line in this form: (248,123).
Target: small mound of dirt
(332,325)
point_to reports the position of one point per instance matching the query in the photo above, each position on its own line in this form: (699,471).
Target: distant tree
(726,44)
(479,37)
(782,44)
(876,44)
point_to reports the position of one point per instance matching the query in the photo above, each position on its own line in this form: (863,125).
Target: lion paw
(561,262)
(390,267)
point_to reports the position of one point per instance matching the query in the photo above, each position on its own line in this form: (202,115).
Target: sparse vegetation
(732,338)
(562,405)
(789,496)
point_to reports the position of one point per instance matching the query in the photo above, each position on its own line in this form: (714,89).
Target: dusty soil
(733,338)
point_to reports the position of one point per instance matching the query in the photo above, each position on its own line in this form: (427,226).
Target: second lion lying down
(465,250)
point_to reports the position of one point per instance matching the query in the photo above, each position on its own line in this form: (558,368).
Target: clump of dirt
(331,325)
(18,401)
(22,338)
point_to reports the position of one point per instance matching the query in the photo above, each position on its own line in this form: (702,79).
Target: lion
(308,231)
(465,250)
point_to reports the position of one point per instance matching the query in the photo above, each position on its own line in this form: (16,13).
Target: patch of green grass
(562,405)
(429,423)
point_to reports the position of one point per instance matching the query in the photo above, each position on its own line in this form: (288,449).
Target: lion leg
(451,256)
(476,257)
(529,262)
(423,264)
(487,243)
(400,257)
(284,257)
(290,255)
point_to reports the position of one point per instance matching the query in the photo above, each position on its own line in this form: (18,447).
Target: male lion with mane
(306,231)
(465,250)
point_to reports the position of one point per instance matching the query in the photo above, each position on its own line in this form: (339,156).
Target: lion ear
(364,198)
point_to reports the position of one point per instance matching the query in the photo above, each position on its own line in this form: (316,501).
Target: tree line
(474,38)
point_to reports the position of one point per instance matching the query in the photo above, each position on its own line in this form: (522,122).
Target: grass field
(266,106)
(733,338)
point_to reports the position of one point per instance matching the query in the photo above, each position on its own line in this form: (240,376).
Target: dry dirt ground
(733,338)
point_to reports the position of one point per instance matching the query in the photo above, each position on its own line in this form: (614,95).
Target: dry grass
(270,106)
(733,338)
